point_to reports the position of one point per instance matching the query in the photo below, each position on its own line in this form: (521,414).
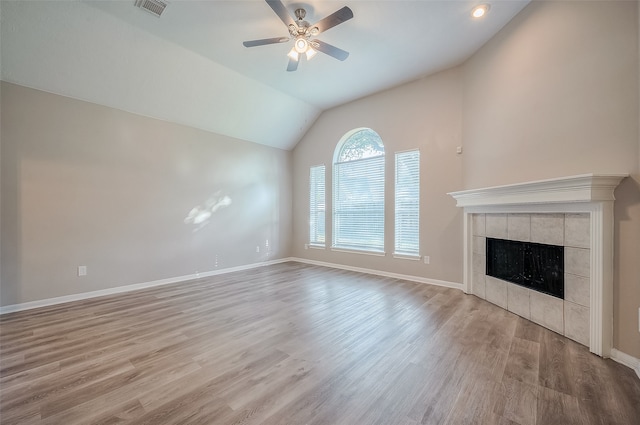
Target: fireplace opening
(536,266)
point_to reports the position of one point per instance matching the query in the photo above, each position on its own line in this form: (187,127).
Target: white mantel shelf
(580,188)
(585,193)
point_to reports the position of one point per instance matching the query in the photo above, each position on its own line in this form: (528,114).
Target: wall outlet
(426,259)
(82,270)
(257,248)
(306,246)
(459,150)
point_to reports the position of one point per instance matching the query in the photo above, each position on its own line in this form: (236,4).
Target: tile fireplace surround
(575,212)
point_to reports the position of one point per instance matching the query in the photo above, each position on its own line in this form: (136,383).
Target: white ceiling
(189,66)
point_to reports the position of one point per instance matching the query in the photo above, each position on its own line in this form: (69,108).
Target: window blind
(407,203)
(358,204)
(317,205)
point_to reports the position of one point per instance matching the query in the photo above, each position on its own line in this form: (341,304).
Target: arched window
(358,192)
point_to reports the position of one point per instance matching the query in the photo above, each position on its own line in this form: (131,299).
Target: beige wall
(84,184)
(424,114)
(555,93)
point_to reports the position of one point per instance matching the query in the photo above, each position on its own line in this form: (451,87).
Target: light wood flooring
(299,344)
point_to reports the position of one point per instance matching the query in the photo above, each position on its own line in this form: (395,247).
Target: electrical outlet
(82,270)
(426,259)
(306,246)
(257,248)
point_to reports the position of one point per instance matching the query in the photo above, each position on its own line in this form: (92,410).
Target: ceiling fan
(302,33)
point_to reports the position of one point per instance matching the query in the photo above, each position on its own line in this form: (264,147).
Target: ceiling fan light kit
(301,45)
(301,32)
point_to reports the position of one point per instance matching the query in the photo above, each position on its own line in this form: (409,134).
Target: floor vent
(155,7)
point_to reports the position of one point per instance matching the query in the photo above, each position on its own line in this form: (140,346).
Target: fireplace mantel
(581,188)
(586,193)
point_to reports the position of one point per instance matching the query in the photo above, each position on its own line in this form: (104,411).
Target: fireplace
(567,237)
(575,213)
(532,265)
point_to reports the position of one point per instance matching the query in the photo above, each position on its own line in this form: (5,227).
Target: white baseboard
(626,360)
(136,286)
(133,287)
(381,273)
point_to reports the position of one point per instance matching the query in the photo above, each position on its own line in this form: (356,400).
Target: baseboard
(381,273)
(133,287)
(626,360)
(136,286)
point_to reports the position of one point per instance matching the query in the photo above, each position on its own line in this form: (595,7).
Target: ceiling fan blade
(281,11)
(330,50)
(264,41)
(293,65)
(334,19)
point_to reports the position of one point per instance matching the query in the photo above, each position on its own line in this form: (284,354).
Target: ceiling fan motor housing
(300,14)
(303,28)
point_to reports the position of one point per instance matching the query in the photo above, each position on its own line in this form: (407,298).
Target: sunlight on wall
(200,215)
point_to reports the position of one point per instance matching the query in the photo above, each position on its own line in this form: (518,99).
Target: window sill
(407,257)
(357,251)
(310,246)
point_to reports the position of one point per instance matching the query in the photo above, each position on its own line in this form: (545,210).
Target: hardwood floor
(299,344)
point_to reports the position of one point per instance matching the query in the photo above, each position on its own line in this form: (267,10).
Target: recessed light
(480,11)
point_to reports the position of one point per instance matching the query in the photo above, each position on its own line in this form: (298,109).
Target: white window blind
(407,204)
(317,206)
(358,193)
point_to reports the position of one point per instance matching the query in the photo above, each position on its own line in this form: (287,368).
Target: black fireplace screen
(533,265)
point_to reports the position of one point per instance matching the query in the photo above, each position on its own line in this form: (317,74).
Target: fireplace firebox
(533,265)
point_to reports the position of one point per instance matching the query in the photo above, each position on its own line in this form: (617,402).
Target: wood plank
(523,362)
(555,407)
(518,402)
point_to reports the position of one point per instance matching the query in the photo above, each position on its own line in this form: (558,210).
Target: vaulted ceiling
(189,65)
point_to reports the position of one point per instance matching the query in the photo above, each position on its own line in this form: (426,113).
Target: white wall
(84,184)
(424,114)
(555,93)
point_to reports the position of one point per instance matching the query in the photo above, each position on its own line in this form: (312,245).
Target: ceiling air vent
(155,7)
